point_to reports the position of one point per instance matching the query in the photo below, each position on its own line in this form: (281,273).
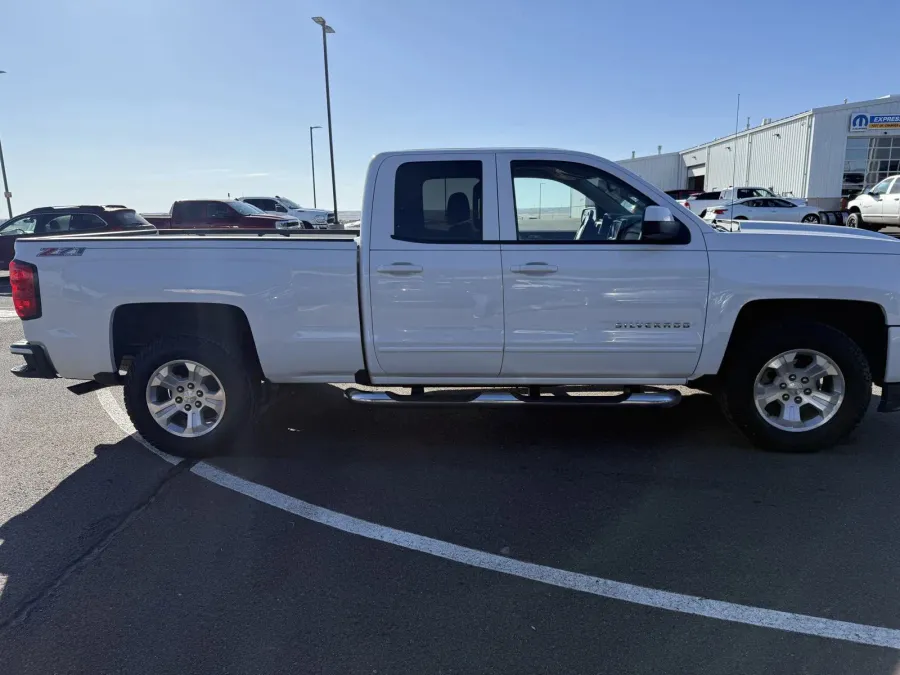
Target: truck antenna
(737,123)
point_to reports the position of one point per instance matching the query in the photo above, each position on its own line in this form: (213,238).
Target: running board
(660,398)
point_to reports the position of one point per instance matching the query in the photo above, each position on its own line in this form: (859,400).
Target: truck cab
(318,219)
(878,207)
(218,213)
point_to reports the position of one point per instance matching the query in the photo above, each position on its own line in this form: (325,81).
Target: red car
(218,213)
(52,220)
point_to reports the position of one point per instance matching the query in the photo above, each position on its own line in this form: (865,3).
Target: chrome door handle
(400,268)
(534,268)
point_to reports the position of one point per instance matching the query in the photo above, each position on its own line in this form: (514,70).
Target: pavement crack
(118,524)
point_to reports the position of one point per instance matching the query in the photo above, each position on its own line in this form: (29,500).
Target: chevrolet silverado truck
(479,278)
(219,213)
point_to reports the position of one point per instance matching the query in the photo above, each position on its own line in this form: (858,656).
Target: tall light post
(6,192)
(540,199)
(312,158)
(326,29)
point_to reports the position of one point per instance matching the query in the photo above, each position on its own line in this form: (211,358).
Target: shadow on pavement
(38,546)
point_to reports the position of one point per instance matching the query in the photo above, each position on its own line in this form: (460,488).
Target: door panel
(605,313)
(435,282)
(438,312)
(891,205)
(599,306)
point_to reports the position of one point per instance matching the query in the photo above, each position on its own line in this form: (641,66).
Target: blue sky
(146,101)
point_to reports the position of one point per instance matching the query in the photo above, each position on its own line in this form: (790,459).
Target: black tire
(227,362)
(855,219)
(811,218)
(307,225)
(741,218)
(746,359)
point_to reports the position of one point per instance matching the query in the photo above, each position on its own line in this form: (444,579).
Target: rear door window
(438,202)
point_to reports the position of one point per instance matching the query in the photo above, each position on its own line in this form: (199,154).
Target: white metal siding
(771,156)
(667,172)
(829,142)
(778,157)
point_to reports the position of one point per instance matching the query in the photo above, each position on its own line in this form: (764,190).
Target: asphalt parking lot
(334,545)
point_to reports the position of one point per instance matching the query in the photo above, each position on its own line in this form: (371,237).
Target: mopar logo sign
(859,122)
(866,122)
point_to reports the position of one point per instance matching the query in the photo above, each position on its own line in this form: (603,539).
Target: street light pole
(540,200)
(312,159)
(326,29)
(6,192)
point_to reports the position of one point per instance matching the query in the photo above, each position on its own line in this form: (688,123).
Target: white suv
(878,207)
(319,219)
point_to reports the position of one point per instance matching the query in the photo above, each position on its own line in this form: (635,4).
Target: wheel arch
(863,321)
(135,325)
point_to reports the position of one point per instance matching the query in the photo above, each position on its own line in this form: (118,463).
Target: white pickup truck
(450,284)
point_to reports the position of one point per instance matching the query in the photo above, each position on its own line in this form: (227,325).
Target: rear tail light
(686,204)
(719,212)
(25,292)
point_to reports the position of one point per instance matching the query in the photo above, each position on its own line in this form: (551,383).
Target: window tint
(781,203)
(707,195)
(54,225)
(191,211)
(22,225)
(438,201)
(566,201)
(896,187)
(81,222)
(744,193)
(263,204)
(218,211)
(130,218)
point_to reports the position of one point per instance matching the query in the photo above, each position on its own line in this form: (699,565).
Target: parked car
(219,213)
(319,219)
(447,289)
(62,219)
(878,207)
(681,195)
(763,209)
(702,201)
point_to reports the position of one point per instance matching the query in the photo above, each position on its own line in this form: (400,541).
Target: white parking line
(607,588)
(120,417)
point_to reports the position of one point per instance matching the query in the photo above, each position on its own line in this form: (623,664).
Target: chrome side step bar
(644,396)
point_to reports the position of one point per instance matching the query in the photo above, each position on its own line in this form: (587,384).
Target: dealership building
(822,154)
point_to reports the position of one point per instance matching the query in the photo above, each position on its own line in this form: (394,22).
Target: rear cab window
(438,202)
(129,218)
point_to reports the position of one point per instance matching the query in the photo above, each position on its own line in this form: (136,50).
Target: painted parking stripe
(120,417)
(607,588)
(8,315)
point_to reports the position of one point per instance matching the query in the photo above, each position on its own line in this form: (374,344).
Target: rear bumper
(37,362)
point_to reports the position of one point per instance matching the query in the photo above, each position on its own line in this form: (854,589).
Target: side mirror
(659,225)
(280,209)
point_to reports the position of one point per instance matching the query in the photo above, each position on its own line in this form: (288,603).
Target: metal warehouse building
(822,154)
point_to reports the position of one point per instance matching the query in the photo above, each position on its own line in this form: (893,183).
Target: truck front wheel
(190,396)
(796,386)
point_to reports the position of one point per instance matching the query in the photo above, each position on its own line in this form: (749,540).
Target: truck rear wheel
(796,387)
(191,396)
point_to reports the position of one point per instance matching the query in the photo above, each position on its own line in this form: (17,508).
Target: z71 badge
(656,324)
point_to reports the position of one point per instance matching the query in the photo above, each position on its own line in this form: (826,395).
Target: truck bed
(297,290)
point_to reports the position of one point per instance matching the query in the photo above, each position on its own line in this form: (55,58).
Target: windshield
(245,209)
(290,204)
